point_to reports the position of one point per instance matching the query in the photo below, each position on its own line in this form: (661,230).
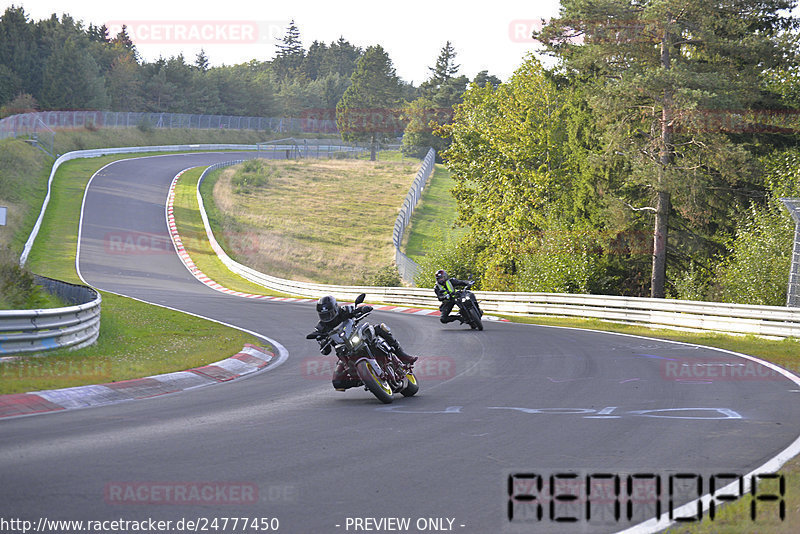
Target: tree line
(648,161)
(60,63)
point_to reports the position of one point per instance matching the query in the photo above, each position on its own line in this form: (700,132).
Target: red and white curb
(249,360)
(202,277)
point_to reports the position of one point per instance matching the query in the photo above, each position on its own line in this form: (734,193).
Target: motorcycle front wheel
(411,389)
(476,319)
(374,382)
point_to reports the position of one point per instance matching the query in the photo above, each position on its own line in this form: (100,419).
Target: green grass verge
(24,170)
(193,234)
(136,339)
(432,221)
(736,518)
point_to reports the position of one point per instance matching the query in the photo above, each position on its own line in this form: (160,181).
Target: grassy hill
(326,221)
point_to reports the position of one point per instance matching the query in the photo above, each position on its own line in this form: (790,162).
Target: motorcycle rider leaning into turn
(331,315)
(445,290)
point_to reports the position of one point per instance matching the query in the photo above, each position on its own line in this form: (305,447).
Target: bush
(458,258)
(145,125)
(18,290)
(252,174)
(386,276)
(565,261)
(22,103)
(91,125)
(690,283)
(757,270)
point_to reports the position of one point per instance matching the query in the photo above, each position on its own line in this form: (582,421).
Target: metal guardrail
(74,326)
(324,149)
(771,321)
(28,124)
(407,267)
(105,152)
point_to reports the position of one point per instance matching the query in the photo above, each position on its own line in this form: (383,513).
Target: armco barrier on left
(73,326)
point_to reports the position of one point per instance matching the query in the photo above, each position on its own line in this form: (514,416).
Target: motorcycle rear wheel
(373,382)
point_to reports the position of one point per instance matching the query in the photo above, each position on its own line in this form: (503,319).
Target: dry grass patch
(326,221)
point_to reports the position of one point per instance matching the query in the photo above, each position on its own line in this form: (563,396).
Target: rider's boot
(386,334)
(403,355)
(340,379)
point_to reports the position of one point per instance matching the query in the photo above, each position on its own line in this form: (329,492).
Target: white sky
(413,32)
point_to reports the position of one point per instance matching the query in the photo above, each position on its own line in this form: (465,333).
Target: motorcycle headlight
(354,340)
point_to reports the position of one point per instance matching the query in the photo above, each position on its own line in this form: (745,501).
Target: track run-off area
(503,420)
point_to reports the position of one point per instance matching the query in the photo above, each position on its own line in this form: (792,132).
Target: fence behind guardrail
(32,124)
(793,289)
(407,267)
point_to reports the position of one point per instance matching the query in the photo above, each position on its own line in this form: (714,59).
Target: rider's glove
(324,345)
(365,309)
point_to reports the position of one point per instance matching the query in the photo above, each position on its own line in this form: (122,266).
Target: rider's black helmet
(441,276)
(327,308)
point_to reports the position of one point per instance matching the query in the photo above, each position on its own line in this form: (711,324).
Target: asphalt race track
(512,402)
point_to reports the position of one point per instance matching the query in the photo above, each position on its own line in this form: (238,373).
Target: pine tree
(444,69)
(19,52)
(368,109)
(341,58)
(440,93)
(71,79)
(201,61)
(651,66)
(124,84)
(123,42)
(289,58)
(98,34)
(483,78)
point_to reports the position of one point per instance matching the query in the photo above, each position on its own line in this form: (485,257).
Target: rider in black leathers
(445,290)
(331,315)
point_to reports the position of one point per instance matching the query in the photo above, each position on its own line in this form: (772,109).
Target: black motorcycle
(368,359)
(468,308)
